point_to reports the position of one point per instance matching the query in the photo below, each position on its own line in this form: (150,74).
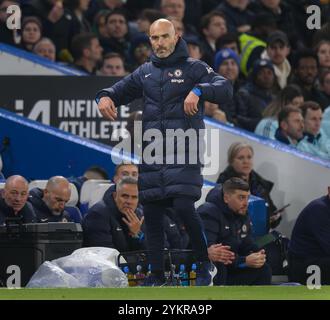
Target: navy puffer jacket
(164,84)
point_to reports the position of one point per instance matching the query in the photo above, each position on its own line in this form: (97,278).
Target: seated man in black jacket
(116,221)
(13,202)
(226,222)
(49,204)
(310,241)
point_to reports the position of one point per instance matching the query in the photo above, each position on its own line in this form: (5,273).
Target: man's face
(297,101)
(46,50)
(313,119)
(127,170)
(3,10)
(142,53)
(117,26)
(16,194)
(83,5)
(307,70)
(173,8)
(278,52)
(326,84)
(233,46)
(293,126)
(237,201)
(113,67)
(127,197)
(265,78)
(216,28)
(163,39)
(229,69)
(324,55)
(31,33)
(95,50)
(57,198)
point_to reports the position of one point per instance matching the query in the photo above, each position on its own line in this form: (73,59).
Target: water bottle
(183,276)
(192,274)
(130,276)
(139,276)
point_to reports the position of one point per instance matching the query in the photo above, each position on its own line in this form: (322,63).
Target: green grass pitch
(170,293)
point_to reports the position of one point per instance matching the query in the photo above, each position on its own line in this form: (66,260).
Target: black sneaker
(153,281)
(206,271)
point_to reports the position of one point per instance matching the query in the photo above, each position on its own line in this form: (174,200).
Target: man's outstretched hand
(191,104)
(107,108)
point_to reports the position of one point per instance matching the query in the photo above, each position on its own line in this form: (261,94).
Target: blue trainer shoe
(206,271)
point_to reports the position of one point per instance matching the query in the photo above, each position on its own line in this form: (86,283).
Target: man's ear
(226,197)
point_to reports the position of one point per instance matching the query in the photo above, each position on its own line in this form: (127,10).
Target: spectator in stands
(213,27)
(277,51)
(325,87)
(315,141)
(45,48)
(226,63)
(77,9)
(305,69)
(238,17)
(253,43)
(146,18)
(291,126)
(49,204)
(118,39)
(326,122)
(255,95)
(31,32)
(229,41)
(115,221)
(194,47)
(13,203)
(178,26)
(2,177)
(87,52)
(113,65)
(227,223)
(310,241)
(291,95)
(323,53)
(99,24)
(140,50)
(280,11)
(56,20)
(177,10)
(6,35)
(240,165)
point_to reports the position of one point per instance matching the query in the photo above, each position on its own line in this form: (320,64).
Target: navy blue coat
(26,213)
(310,237)
(224,226)
(164,84)
(43,213)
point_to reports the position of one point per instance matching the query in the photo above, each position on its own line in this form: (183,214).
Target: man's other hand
(107,108)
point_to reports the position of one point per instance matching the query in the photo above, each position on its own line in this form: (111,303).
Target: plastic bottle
(139,276)
(183,276)
(192,274)
(130,276)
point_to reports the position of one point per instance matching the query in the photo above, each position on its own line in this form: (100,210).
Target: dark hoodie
(222,225)
(103,226)
(43,213)
(26,214)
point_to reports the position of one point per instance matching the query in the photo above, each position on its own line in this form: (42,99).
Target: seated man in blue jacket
(116,221)
(226,222)
(13,203)
(310,241)
(49,204)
